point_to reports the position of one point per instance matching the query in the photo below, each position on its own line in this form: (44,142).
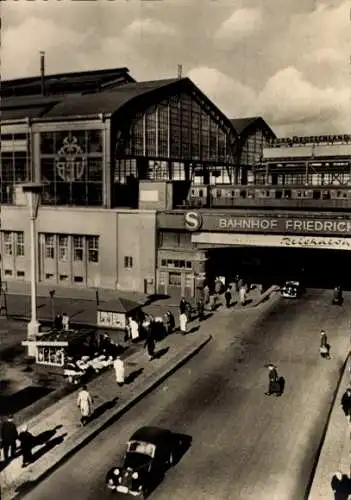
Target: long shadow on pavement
(161,352)
(133,375)
(102,408)
(49,445)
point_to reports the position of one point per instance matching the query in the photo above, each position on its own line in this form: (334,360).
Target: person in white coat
(85,404)
(134,329)
(119,368)
(242,295)
(183,322)
(65,321)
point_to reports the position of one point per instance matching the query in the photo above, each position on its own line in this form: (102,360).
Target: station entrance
(317,268)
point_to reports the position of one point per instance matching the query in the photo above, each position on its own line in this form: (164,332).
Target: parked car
(291,289)
(150,453)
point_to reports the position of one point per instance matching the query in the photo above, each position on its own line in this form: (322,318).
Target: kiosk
(114,313)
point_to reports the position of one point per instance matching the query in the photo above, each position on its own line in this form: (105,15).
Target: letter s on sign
(193,221)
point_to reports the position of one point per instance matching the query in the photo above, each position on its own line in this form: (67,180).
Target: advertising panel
(265,240)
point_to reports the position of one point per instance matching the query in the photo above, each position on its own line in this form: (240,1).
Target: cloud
(228,94)
(287,60)
(148,27)
(32,36)
(242,23)
(289,99)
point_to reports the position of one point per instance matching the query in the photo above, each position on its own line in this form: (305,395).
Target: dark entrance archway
(317,268)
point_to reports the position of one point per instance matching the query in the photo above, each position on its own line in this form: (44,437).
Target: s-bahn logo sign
(193,221)
(70,160)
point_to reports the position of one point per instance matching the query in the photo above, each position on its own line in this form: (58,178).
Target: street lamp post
(32,192)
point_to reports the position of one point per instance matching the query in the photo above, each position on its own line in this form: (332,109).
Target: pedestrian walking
(183,322)
(212,302)
(150,346)
(85,404)
(324,347)
(65,321)
(273,381)
(200,309)
(119,368)
(228,297)
(206,293)
(134,329)
(9,436)
(183,305)
(340,485)
(27,443)
(242,295)
(346,404)
(58,322)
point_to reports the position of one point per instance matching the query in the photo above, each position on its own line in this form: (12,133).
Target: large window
(181,129)
(71,167)
(14,168)
(93,248)
(19,238)
(78,248)
(13,243)
(8,242)
(49,246)
(63,247)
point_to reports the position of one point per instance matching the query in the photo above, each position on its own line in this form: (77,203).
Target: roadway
(245,445)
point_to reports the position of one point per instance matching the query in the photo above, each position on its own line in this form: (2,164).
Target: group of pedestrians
(9,439)
(61,321)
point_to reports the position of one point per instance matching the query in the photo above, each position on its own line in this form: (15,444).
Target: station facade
(142,180)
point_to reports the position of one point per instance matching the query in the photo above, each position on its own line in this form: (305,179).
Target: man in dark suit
(273,381)
(346,403)
(27,442)
(340,485)
(9,436)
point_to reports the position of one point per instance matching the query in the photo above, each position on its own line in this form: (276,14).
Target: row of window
(175,263)
(61,246)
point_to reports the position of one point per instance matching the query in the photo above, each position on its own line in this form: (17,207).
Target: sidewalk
(59,425)
(335,453)
(82,309)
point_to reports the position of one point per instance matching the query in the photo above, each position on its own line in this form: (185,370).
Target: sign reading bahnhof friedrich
(194,221)
(261,230)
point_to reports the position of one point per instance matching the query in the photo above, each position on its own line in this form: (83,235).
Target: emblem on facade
(193,221)
(70,160)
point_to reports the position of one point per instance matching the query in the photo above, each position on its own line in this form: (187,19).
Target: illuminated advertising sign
(265,240)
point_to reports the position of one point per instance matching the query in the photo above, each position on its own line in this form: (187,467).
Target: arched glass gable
(172,139)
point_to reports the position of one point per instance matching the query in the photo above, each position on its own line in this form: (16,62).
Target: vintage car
(291,289)
(150,453)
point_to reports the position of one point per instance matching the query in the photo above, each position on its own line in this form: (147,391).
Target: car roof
(150,434)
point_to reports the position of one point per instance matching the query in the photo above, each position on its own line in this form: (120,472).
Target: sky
(288,61)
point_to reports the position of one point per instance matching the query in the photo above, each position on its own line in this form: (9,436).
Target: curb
(84,440)
(326,428)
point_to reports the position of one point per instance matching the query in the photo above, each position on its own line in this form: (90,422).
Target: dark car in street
(150,453)
(291,289)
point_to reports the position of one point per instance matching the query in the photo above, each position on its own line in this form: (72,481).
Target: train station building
(148,185)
